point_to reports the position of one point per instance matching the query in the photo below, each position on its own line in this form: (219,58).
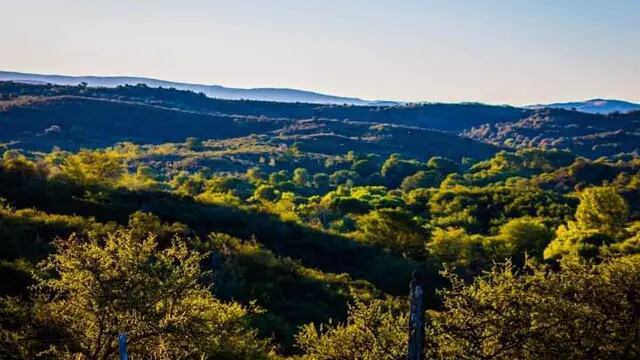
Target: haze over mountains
(593,106)
(213,91)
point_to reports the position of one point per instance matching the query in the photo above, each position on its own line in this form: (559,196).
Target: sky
(494,51)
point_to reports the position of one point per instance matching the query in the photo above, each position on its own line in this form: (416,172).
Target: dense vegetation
(74,117)
(265,237)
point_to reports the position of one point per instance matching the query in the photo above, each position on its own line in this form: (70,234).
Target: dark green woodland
(220,229)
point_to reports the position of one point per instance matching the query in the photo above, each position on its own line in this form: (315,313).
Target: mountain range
(593,106)
(40,117)
(213,91)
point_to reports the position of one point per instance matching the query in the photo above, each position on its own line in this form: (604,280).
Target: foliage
(603,209)
(297,225)
(92,291)
(525,237)
(375,330)
(421,179)
(600,222)
(393,229)
(395,169)
(582,311)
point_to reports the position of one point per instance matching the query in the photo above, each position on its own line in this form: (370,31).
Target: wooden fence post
(416,318)
(122,342)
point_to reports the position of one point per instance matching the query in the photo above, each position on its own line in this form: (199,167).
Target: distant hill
(213,91)
(69,119)
(594,106)
(585,134)
(39,117)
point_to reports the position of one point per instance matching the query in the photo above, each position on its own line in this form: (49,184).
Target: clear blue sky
(495,51)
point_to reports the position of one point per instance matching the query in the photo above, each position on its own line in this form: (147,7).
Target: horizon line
(319,92)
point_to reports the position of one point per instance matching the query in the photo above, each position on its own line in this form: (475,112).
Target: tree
(581,311)
(630,245)
(468,254)
(395,169)
(393,229)
(525,235)
(343,177)
(421,179)
(238,187)
(142,225)
(296,147)
(374,331)
(600,222)
(254,174)
(300,177)
(601,208)
(321,181)
(365,167)
(265,192)
(146,173)
(573,240)
(90,291)
(443,165)
(93,166)
(278,177)
(16,163)
(453,180)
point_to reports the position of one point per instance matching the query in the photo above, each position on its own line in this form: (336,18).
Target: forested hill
(217,229)
(71,117)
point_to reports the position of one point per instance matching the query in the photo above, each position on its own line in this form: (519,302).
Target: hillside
(72,122)
(299,238)
(213,91)
(277,231)
(594,106)
(41,116)
(590,135)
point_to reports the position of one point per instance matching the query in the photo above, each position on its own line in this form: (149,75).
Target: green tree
(581,311)
(230,184)
(94,166)
(278,177)
(296,147)
(468,254)
(365,167)
(301,177)
(265,192)
(443,165)
(525,235)
(421,179)
(321,181)
(146,172)
(142,225)
(343,177)
(600,222)
(395,169)
(394,229)
(601,208)
(453,180)
(375,330)
(93,290)
(254,174)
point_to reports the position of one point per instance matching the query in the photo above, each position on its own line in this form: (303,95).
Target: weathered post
(416,317)
(122,344)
